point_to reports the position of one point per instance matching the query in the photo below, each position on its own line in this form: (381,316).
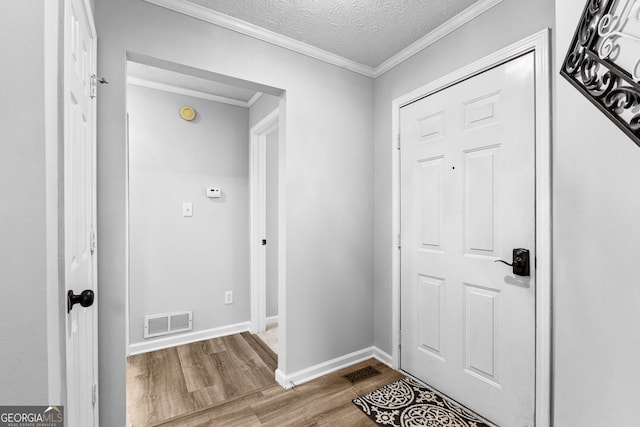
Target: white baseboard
(324,368)
(272,320)
(383,357)
(281,379)
(180,339)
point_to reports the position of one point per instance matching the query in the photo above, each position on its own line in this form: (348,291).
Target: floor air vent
(168,323)
(362,374)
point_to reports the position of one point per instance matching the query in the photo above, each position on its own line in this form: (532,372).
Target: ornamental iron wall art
(603,61)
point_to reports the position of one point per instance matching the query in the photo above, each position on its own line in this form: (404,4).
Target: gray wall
(328,130)
(595,208)
(187,263)
(499,27)
(23,210)
(596,253)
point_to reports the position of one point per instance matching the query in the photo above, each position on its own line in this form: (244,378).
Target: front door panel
(467,200)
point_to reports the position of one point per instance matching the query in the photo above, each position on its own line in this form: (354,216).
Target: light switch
(187,209)
(214,192)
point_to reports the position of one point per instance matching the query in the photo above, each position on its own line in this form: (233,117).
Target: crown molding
(137,81)
(208,15)
(451,25)
(254,98)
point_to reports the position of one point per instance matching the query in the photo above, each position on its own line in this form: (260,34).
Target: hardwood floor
(324,402)
(227,382)
(180,380)
(270,337)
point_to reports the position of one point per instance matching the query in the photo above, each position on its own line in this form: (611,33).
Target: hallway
(230,381)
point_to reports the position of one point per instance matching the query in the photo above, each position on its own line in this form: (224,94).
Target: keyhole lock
(520,263)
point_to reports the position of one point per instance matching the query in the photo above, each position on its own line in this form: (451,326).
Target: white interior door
(467,200)
(80,214)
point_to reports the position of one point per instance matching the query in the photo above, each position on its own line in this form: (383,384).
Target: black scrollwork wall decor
(603,61)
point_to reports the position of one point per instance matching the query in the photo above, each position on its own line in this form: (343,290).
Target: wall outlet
(187,209)
(228,297)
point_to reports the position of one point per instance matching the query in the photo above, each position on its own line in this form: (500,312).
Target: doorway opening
(263,141)
(189,234)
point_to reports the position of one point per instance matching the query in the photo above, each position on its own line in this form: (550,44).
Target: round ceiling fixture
(188,113)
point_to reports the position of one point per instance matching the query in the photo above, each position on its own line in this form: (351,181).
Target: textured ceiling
(366,31)
(185,81)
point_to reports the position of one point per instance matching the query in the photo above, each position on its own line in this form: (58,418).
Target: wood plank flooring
(270,337)
(180,380)
(324,402)
(229,381)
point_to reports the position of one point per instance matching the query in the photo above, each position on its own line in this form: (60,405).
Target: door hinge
(92,242)
(399,242)
(93,86)
(398,141)
(400,339)
(94,394)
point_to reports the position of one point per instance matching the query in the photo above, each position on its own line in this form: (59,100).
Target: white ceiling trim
(254,98)
(243,27)
(449,26)
(208,15)
(137,81)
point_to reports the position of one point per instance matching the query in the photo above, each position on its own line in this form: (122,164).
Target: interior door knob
(85,299)
(520,262)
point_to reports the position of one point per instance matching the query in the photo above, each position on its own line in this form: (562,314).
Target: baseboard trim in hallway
(330,366)
(187,338)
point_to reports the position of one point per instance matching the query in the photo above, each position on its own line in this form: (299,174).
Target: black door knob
(85,299)
(520,262)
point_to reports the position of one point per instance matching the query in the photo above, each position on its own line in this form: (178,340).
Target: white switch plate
(214,192)
(228,297)
(187,209)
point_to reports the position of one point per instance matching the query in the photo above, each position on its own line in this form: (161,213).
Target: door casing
(258,180)
(538,44)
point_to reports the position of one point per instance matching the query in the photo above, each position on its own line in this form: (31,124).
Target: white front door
(467,200)
(80,215)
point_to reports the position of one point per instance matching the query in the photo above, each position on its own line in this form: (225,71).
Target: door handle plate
(521,262)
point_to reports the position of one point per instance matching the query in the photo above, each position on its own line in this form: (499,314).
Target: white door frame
(539,45)
(258,181)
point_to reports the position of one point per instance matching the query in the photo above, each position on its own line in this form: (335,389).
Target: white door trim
(257,178)
(538,44)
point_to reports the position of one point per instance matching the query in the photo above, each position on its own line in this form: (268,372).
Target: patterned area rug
(408,403)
